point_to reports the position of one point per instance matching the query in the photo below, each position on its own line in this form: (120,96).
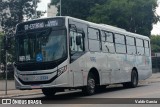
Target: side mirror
(73,27)
(78,40)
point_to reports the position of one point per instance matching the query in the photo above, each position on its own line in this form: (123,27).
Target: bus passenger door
(76,54)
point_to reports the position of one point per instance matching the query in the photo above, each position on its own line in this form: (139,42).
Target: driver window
(73,45)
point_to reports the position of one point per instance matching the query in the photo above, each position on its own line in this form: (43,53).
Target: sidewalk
(12,93)
(153,79)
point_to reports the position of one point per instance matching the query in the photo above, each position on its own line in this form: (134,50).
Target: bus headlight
(62,70)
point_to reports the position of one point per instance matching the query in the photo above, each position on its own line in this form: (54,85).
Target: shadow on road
(79,94)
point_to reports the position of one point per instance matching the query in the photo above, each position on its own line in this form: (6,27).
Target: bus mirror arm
(78,40)
(70,41)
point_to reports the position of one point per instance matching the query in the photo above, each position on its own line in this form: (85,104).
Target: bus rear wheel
(91,85)
(48,92)
(134,80)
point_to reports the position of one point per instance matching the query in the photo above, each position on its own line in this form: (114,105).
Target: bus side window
(109,37)
(107,42)
(131,48)
(94,40)
(140,46)
(120,43)
(146,45)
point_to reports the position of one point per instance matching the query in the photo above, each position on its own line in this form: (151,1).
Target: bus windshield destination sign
(38,24)
(50,23)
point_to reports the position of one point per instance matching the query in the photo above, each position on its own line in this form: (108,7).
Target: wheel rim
(91,85)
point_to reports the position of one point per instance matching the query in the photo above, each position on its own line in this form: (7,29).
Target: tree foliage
(13,12)
(155,43)
(1,39)
(76,8)
(136,16)
(2,51)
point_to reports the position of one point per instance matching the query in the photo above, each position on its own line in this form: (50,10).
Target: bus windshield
(43,46)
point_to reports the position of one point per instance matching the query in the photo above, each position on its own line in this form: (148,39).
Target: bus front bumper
(53,83)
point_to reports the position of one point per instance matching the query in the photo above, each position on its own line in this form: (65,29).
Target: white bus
(60,53)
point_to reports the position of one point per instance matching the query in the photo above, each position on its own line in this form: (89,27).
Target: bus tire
(91,85)
(48,92)
(102,88)
(134,80)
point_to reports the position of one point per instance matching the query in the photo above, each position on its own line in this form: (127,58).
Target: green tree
(76,8)
(1,46)
(155,43)
(13,12)
(136,16)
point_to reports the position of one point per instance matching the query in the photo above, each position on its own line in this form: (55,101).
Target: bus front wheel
(91,85)
(48,92)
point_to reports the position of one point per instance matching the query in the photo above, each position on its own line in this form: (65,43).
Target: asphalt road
(113,94)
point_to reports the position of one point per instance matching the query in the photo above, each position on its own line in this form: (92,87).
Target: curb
(18,95)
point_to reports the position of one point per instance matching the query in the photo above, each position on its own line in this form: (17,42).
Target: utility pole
(35,7)
(6,64)
(60,7)
(6,53)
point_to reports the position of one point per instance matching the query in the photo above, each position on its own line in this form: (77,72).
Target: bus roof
(109,28)
(100,26)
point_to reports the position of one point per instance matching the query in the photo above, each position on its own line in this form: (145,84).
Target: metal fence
(156,64)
